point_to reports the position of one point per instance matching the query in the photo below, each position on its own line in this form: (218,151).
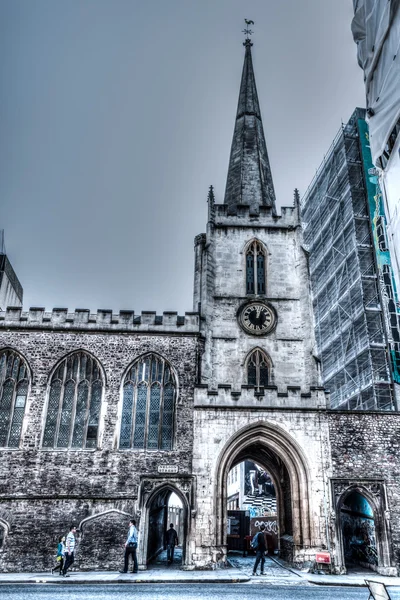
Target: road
(188,592)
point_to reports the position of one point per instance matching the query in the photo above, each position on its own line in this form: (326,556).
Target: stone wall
(42,491)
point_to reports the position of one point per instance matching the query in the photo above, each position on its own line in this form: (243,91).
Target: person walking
(171,540)
(130,547)
(69,550)
(60,555)
(259,545)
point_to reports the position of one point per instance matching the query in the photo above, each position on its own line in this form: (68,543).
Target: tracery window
(73,411)
(257,369)
(255,269)
(13,393)
(148,405)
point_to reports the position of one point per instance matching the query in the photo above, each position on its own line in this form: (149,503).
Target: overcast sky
(116,116)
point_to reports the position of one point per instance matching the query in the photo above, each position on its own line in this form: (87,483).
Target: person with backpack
(258,544)
(60,556)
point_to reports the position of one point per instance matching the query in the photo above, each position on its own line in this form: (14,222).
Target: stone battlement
(83,319)
(249,396)
(288,219)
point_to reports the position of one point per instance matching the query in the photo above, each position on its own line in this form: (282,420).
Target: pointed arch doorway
(278,454)
(362,527)
(165,506)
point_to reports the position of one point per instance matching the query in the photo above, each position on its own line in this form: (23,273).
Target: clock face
(257,318)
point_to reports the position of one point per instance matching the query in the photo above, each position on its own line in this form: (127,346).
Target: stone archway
(155,522)
(273,448)
(374,494)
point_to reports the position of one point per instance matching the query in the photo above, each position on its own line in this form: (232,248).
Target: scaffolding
(348,316)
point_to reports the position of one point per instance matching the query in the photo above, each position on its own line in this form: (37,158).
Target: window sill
(68,449)
(142,450)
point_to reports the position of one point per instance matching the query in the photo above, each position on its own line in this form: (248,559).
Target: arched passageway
(252,501)
(164,508)
(282,459)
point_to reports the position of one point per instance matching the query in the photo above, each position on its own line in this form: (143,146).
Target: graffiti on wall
(271,531)
(391,308)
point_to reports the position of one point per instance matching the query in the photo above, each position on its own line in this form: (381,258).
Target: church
(105,416)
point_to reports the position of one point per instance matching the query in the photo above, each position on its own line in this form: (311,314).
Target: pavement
(277,573)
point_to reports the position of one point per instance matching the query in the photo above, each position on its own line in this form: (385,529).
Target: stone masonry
(42,491)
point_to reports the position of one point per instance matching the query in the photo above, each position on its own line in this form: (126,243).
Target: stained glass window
(13,393)
(74,403)
(255,269)
(148,405)
(257,369)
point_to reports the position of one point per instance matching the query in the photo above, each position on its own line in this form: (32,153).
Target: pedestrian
(258,544)
(171,540)
(69,550)
(130,547)
(60,555)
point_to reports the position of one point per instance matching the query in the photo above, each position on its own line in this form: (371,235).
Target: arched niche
(101,539)
(4,531)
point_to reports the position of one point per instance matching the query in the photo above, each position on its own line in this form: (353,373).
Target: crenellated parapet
(265,217)
(102,320)
(248,396)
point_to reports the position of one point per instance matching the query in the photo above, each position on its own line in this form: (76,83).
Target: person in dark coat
(171,540)
(259,545)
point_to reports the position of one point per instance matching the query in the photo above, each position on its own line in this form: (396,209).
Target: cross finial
(248,32)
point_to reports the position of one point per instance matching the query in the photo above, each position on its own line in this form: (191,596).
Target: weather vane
(247,31)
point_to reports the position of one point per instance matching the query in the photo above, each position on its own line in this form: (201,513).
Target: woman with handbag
(60,555)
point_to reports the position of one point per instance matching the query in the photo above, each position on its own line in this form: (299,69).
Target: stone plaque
(168,468)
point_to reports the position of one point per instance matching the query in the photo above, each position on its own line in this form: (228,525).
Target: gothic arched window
(255,269)
(148,405)
(257,369)
(13,393)
(73,411)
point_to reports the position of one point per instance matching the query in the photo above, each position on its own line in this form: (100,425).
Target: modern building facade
(354,297)
(104,416)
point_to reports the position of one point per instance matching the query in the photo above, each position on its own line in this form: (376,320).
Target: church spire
(249,174)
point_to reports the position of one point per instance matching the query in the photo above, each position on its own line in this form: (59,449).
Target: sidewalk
(109,577)
(276,573)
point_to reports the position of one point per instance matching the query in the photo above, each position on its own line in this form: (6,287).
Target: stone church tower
(260,395)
